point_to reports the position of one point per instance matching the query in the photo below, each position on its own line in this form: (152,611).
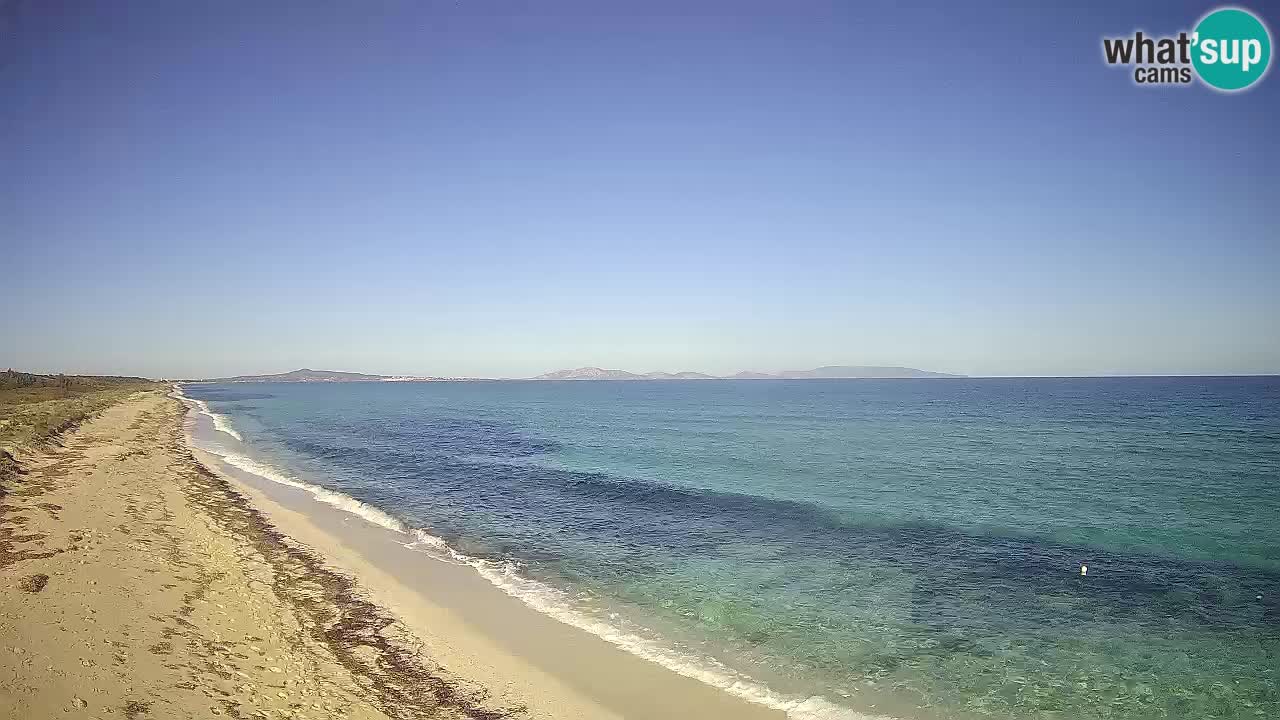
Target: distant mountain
(594,373)
(828,371)
(309,375)
(861,371)
(589,373)
(686,375)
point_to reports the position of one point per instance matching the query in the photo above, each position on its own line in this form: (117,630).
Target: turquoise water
(909,544)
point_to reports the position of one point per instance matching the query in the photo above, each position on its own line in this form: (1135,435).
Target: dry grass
(35,408)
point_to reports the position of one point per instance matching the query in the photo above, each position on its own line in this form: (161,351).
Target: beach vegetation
(35,408)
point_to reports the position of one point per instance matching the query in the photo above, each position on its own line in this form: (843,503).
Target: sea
(1065,548)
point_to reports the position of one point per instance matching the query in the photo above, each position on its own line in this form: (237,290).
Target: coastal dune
(141,578)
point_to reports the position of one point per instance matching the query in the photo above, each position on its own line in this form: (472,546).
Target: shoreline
(466,654)
(396,676)
(135,582)
(140,574)
(457,611)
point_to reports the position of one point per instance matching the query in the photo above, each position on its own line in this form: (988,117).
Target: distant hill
(861,371)
(685,375)
(589,373)
(306,375)
(828,371)
(309,375)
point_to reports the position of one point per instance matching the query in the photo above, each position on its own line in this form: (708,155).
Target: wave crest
(220,421)
(558,604)
(343,502)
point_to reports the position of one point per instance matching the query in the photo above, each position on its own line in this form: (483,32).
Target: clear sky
(500,188)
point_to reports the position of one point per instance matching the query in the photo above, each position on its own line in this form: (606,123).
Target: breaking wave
(544,598)
(220,422)
(343,502)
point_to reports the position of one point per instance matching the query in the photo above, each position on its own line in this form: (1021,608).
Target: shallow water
(859,540)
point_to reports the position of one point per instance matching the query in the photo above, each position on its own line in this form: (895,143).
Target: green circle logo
(1232,49)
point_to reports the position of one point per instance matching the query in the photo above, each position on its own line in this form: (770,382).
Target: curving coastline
(135,581)
(750,696)
(220,422)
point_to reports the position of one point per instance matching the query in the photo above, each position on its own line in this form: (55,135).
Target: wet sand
(481,632)
(140,580)
(134,583)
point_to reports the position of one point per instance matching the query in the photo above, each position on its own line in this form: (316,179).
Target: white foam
(425,540)
(220,422)
(557,604)
(324,495)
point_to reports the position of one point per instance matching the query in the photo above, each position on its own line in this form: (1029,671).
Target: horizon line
(476,378)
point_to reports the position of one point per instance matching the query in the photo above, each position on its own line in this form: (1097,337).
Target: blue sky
(492,188)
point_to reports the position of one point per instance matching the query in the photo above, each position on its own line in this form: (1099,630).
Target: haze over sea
(911,548)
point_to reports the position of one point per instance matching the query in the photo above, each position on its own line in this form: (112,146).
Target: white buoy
(1084,570)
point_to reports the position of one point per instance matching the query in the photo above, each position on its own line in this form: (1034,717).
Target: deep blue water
(919,540)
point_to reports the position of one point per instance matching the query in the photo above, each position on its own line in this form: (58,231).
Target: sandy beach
(139,580)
